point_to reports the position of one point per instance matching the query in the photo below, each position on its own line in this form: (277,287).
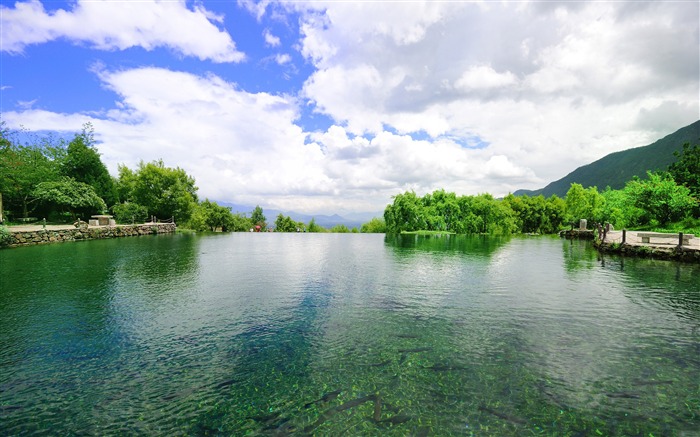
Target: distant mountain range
(615,169)
(355,219)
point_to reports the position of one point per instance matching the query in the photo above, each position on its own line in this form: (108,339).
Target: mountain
(352,220)
(617,168)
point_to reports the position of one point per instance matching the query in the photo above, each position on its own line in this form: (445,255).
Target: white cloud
(107,25)
(26,104)
(484,77)
(283,58)
(246,148)
(270,39)
(540,88)
(549,87)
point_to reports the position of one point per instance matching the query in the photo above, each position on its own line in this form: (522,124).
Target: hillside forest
(60,180)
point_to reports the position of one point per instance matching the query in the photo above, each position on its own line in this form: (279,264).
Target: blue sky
(332,107)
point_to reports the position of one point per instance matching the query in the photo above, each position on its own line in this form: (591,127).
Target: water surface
(324,334)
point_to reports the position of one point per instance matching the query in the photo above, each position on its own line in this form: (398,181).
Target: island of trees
(61,181)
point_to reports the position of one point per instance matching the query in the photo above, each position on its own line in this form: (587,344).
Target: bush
(374,226)
(129,212)
(5,236)
(340,229)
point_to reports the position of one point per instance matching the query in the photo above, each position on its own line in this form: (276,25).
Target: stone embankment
(578,234)
(44,236)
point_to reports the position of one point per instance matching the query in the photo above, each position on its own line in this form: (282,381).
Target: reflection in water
(476,245)
(331,334)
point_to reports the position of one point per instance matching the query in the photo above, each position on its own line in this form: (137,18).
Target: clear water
(345,334)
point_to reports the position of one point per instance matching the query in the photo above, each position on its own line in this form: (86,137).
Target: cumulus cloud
(549,86)
(482,77)
(470,97)
(270,39)
(246,147)
(109,25)
(283,58)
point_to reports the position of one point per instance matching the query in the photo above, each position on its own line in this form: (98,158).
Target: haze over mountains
(615,169)
(351,220)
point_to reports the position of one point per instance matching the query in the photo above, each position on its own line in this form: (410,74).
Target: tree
(686,171)
(619,209)
(583,204)
(129,212)
(83,163)
(239,223)
(314,227)
(374,226)
(258,218)
(70,196)
(212,216)
(286,224)
(407,213)
(340,229)
(23,167)
(126,183)
(660,198)
(166,192)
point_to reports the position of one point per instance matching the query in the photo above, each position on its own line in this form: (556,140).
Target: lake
(346,334)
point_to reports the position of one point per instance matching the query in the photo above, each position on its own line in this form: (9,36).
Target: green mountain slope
(617,168)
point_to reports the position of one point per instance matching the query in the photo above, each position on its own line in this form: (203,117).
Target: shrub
(5,236)
(129,212)
(341,229)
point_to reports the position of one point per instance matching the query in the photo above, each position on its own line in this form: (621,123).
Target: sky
(334,107)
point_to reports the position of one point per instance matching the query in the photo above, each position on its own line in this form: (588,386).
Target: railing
(154,219)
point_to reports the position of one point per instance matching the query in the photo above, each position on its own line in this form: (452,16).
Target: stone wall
(44,236)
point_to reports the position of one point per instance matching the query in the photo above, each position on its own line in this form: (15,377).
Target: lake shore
(27,235)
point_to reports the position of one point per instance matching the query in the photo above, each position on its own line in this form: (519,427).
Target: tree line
(62,181)
(663,198)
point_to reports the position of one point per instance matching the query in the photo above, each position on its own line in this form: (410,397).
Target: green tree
(212,216)
(129,212)
(69,196)
(496,217)
(258,218)
(126,183)
(166,192)
(83,163)
(23,167)
(468,222)
(660,198)
(583,203)
(285,224)
(555,213)
(619,209)
(340,229)
(240,223)
(314,227)
(406,213)
(686,171)
(374,226)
